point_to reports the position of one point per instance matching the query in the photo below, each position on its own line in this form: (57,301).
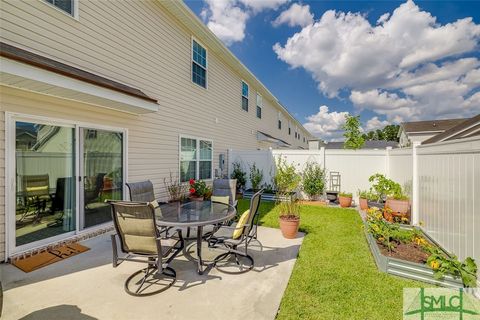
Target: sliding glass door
(60,175)
(45,184)
(102,174)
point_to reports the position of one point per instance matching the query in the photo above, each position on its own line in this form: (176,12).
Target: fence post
(415,185)
(387,162)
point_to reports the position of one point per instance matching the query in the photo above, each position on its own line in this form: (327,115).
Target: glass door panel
(45,184)
(102,174)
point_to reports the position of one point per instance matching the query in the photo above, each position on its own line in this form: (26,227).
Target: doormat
(50,256)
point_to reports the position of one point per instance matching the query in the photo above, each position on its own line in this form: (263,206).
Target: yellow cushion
(41,188)
(221,199)
(237,233)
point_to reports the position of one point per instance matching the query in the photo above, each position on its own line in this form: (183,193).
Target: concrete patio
(86,286)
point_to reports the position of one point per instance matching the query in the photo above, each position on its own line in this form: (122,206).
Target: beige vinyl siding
(140,44)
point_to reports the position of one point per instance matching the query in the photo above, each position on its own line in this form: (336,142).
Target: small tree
(240,175)
(256,176)
(352,134)
(313,179)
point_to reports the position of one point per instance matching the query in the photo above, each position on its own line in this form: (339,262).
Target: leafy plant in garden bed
(256,176)
(313,182)
(240,175)
(412,245)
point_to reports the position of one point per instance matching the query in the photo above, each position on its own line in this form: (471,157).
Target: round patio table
(194,214)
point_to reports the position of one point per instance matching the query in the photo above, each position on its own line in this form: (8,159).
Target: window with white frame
(259,106)
(67,6)
(244,96)
(199,64)
(279,121)
(289,128)
(196,157)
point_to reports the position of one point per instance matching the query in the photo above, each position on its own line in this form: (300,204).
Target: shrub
(313,179)
(286,178)
(384,187)
(353,135)
(240,175)
(256,176)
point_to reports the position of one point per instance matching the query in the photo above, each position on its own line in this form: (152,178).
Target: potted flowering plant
(345,199)
(198,189)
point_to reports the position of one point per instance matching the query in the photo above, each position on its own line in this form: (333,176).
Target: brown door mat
(45,258)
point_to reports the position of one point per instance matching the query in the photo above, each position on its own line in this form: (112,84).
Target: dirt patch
(406,251)
(313,203)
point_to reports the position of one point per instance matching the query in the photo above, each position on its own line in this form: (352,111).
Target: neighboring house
(371,144)
(419,131)
(148,75)
(465,129)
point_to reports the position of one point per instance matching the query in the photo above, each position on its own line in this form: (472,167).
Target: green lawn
(335,276)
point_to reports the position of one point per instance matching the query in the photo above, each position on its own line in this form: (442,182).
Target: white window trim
(260,106)
(247,96)
(197,160)
(192,38)
(10,134)
(74,15)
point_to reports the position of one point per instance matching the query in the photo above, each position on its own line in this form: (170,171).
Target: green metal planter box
(407,269)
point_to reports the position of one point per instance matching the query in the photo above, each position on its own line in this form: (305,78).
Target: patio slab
(86,286)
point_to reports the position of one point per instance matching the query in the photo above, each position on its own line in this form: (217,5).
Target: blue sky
(421,61)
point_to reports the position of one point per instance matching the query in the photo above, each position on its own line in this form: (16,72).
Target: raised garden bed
(390,262)
(268,196)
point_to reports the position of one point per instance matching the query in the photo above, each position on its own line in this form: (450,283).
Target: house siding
(139,44)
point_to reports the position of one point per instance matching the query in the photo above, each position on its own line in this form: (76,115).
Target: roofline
(181,11)
(458,129)
(17,54)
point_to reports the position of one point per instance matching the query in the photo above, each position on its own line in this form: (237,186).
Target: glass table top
(194,213)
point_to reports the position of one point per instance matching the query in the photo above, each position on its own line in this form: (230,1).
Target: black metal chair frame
(249,232)
(155,264)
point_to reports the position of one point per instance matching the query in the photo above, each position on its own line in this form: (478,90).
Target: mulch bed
(406,251)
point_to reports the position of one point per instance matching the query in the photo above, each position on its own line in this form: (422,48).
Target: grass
(335,276)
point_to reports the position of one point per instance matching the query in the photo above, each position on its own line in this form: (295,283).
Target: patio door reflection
(101,169)
(45,184)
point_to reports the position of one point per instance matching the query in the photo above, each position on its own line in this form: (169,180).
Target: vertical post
(415,186)
(387,162)
(322,156)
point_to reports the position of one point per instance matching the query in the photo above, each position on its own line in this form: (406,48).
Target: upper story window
(244,96)
(279,120)
(199,64)
(289,128)
(67,6)
(259,106)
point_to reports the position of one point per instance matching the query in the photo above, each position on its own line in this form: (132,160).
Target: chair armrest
(234,228)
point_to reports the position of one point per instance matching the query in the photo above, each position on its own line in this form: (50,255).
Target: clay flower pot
(398,206)
(345,202)
(193,198)
(289,226)
(363,204)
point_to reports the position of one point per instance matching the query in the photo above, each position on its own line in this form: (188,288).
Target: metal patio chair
(36,192)
(140,241)
(224,238)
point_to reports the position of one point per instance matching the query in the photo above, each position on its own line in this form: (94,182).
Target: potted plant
(240,175)
(256,177)
(345,199)
(198,189)
(363,199)
(176,190)
(382,187)
(398,202)
(313,182)
(287,181)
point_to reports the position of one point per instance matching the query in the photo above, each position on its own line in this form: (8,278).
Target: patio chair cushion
(138,234)
(237,233)
(221,199)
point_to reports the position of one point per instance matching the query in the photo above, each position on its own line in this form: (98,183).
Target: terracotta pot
(345,202)
(399,206)
(193,198)
(388,216)
(363,204)
(289,227)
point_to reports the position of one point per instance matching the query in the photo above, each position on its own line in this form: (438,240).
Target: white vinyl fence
(442,179)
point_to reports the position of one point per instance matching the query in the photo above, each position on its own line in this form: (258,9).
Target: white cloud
(228,18)
(326,125)
(296,15)
(375,123)
(407,66)
(260,5)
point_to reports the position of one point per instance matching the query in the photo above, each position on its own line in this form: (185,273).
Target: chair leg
(114,249)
